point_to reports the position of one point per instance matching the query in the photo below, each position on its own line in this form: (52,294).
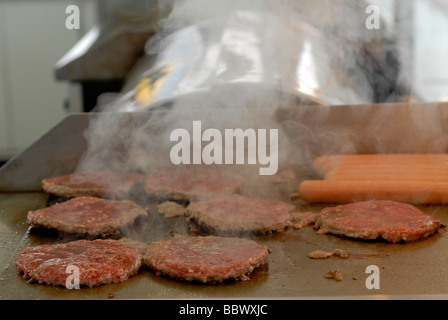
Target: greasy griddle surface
(406,269)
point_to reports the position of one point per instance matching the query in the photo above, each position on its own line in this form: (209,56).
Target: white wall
(3,122)
(431,47)
(33,37)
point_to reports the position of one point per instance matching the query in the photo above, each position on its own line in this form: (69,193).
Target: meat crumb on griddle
(341,253)
(171,209)
(319,254)
(302,219)
(336,275)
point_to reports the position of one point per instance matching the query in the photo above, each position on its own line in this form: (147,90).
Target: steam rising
(234,94)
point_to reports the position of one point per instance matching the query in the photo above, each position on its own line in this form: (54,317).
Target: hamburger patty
(87,215)
(99,262)
(390,220)
(205,259)
(93,184)
(237,213)
(191,184)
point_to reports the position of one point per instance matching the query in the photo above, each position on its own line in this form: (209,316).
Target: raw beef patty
(191,184)
(87,215)
(94,184)
(390,220)
(99,262)
(206,259)
(237,213)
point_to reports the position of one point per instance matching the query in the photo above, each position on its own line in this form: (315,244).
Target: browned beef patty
(390,220)
(191,184)
(94,184)
(206,259)
(237,213)
(99,262)
(87,215)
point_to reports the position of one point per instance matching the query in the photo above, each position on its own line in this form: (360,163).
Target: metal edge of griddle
(51,154)
(55,153)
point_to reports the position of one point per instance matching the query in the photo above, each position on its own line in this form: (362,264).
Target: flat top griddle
(407,270)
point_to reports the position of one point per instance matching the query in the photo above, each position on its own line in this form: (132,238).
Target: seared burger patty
(191,184)
(206,259)
(87,215)
(390,220)
(237,213)
(94,184)
(99,262)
